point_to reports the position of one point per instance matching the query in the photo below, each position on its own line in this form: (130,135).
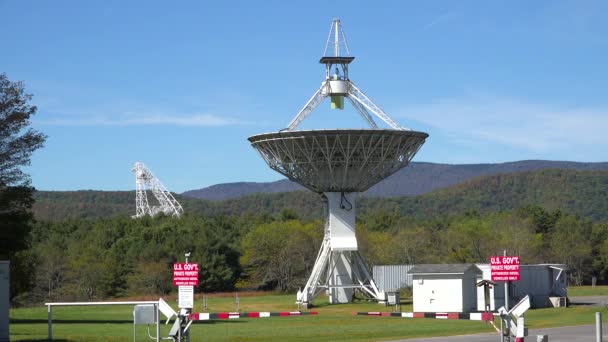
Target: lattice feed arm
(364,113)
(168,203)
(366,102)
(314,101)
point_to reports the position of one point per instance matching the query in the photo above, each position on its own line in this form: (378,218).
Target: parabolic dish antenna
(339,163)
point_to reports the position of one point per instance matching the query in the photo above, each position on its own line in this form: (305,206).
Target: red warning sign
(185,274)
(505,268)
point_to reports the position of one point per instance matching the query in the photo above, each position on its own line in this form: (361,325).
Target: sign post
(185,277)
(505,268)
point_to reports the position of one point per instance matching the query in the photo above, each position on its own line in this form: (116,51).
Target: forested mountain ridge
(86,247)
(220,192)
(58,205)
(416,179)
(584,193)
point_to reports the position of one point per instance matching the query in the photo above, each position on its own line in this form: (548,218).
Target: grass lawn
(334,322)
(582,291)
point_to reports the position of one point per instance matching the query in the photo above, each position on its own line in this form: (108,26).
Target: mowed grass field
(583,291)
(333,323)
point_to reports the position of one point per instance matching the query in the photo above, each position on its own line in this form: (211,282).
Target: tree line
(92,259)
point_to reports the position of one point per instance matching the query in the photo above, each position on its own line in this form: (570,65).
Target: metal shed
(445,287)
(392,278)
(546,284)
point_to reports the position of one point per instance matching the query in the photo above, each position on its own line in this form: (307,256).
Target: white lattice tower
(145,180)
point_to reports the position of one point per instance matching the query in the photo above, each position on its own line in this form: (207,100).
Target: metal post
(598,327)
(502,333)
(156,309)
(187,332)
(337,39)
(506,288)
(180,331)
(50,315)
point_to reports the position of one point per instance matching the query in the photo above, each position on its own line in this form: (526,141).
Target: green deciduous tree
(571,244)
(517,234)
(17,140)
(151,278)
(469,239)
(17,143)
(280,254)
(599,241)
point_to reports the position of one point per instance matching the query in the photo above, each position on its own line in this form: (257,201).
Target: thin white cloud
(437,20)
(201,120)
(528,126)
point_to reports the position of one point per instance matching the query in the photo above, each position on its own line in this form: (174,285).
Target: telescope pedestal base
(339,268)
(340,273)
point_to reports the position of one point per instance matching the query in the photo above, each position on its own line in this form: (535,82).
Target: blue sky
(181,85)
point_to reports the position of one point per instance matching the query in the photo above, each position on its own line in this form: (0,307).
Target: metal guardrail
(51,305)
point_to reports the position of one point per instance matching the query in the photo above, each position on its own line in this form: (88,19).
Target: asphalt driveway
(561,334)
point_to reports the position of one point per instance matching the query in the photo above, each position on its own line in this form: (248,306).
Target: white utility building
(445,287)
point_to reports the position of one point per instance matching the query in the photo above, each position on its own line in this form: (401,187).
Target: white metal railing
(156,304)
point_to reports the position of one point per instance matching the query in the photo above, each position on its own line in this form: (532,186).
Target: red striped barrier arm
(206,316)
(473,316)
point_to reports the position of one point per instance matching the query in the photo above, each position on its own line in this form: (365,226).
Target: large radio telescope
(167,204)
(337,164)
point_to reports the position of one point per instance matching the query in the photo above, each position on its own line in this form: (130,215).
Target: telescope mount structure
(338,164)
(167,204)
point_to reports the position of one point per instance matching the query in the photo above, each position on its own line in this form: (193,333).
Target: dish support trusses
(339,85)
(361,102)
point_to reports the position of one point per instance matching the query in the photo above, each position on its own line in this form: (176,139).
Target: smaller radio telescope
(145,180)
(338,164)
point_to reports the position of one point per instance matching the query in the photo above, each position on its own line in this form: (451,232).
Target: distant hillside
(579,192)
(418,178)
(57,205)
(584,193)
(225,191)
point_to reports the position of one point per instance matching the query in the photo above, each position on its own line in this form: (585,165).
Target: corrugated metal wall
(390,278)
(538,281)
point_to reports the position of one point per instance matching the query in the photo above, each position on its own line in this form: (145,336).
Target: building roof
(443,269)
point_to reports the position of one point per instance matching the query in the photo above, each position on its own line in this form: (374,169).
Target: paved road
(590,300)
(561,334)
